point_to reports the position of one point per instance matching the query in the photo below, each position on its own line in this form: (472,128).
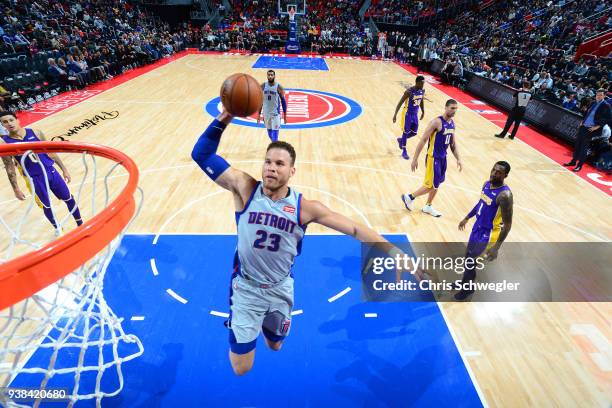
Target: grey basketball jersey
(269,236)
(271,99)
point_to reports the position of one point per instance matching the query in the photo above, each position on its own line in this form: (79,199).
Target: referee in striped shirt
(523,96)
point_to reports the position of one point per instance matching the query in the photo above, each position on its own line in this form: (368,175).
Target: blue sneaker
(405,154)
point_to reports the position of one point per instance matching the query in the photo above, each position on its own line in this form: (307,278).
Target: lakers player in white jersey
(273,100)
(272,219)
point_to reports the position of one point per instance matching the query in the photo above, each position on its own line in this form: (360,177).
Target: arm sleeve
(283,103)
(205,150)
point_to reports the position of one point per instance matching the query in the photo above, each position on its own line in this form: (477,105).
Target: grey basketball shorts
(255,308)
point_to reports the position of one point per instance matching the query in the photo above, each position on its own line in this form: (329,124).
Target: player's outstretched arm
(9,166)
(216,167)
(432,127)
(505,202)
(314,211)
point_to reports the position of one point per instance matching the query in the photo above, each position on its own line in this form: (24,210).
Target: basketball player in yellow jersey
(439,134)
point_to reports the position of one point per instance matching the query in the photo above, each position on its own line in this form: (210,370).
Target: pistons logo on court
(305,109)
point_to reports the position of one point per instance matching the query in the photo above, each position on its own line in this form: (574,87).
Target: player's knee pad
(272,337)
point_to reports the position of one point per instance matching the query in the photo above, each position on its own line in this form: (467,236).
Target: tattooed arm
(505,202)
(9,166)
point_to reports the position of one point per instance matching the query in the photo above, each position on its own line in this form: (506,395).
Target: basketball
(241,95)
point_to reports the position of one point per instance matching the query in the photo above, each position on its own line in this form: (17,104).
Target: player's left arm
(315,211)
(281,94)
(505,202)
(455,150)
(54,156)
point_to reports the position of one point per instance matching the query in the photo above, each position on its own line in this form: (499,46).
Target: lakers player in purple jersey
(439,134)
(36,166)
(493,221)
(412,99)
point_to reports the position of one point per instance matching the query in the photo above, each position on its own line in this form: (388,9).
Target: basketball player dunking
(273,99)
(493,221)
(440,133)
(412,99)
(272,219)
(17,134)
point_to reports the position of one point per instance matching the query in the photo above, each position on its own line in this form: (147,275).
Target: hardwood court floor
(521,354)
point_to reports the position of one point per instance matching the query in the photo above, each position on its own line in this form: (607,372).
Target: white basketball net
(69,320)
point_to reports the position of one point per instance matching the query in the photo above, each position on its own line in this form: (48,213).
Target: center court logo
(305,109)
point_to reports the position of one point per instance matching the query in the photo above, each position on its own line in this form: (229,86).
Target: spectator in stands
(570,102)
(457,73)
(597,117)
(75,69)
(580,70)
(447,70)
(60,74)
(422,56)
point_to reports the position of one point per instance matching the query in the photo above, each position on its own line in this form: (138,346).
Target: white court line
(339,295)
(181,210)
(370,315)
(458,345)
(297,312)
(220,314)
(176,296)
(463,356)
(603,356)
(472,353)
(362,215)
(137,318)
(154,267)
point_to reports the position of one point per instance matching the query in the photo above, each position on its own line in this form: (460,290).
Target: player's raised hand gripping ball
(241,95)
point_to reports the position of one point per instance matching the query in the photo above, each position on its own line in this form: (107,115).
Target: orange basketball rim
(27,274)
